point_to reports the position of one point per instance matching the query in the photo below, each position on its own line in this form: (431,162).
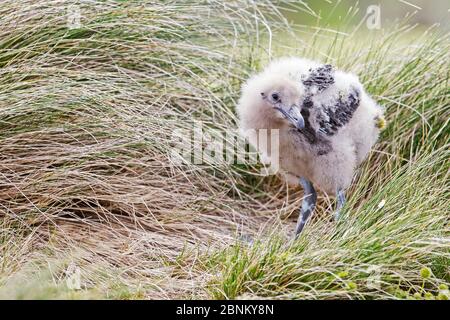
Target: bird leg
(308,205)
(340,196)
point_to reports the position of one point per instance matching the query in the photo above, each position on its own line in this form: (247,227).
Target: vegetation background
(92,205)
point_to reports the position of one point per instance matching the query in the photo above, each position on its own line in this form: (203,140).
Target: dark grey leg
(340,197)
(308,205)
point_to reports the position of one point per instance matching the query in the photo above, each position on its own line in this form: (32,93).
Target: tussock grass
(86,177)
(396,223)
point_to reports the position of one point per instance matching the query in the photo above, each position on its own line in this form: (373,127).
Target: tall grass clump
(393,239)
(87,114)
(87,180)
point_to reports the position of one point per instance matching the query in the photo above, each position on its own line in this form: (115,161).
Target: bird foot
(337,215)
(340,204)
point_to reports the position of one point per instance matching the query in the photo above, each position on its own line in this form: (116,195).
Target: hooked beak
(294,116)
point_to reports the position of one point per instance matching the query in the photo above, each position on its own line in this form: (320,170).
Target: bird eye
(275,97)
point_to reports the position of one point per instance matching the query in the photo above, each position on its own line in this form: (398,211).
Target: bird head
(283,95)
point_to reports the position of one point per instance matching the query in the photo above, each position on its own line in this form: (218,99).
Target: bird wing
(319,79)
(331,117)
(338,114)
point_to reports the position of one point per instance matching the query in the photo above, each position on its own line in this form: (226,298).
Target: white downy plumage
(327,124)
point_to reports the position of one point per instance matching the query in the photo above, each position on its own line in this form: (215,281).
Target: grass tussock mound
(87,116)
(86,121)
